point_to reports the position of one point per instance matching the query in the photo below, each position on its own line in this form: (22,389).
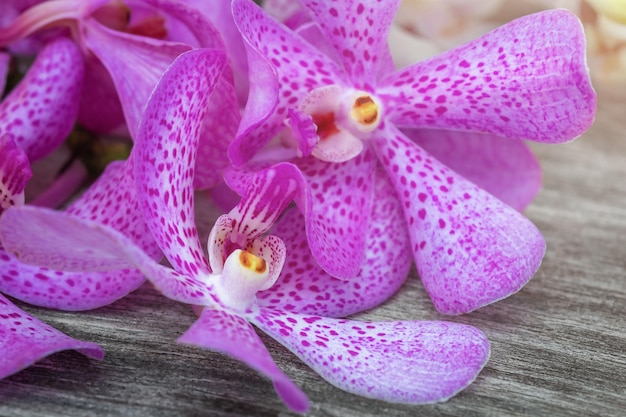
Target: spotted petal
(232,335)
(288,68)
(470,248)
(405,362)
(40,112)
(525,80)
(24,340)
(166,154)
(358,31)
(135,63)
(304,287)
(505,168)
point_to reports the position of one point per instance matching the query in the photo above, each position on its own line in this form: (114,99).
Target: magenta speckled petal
(403,362)
(24,340)
(304,287)
(53,239)
(230,334)
(75,244)
(296,66)
(40,112)
(341,203)
(470,248)
(358,31)
(526,80)
(265,195)
(218,130)
(505,168)
(63,290)
(113,201)
(167,147)
(14,174)
(135,64)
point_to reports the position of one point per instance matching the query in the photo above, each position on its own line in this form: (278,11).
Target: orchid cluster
(336,172)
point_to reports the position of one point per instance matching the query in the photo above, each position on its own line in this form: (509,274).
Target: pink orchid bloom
(126,46)
(335,85)
(411,362)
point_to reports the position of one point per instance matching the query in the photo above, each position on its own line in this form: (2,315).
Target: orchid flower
(125,47)
(346,107)
(411,362)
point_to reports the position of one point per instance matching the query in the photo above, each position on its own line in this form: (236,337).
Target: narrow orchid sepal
(24,340)
(231,334)
(167,144)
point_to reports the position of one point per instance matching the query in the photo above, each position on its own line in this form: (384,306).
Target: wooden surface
(558,346)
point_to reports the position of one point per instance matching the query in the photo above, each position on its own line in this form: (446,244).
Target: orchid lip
(243,276)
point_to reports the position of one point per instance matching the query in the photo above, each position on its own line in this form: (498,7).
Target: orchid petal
(304,287)
(218,130)
(265,195)
(40,112)
(525,80)
(358,31)
(230,334)
(135,64)
(470,248)
(100,108)
(405,362)
(64,247)
(14,174)
(24,340)
(167,147)
(336,224)
(221,15)
(113,201)
(207,36)
(64,290)
(298,67)
(505,168)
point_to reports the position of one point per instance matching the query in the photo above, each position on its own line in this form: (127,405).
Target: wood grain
(558,346)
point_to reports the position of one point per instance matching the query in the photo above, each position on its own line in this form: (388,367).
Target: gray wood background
(558,346)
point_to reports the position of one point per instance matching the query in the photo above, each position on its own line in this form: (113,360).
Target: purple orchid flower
(347,108)
(361,357)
